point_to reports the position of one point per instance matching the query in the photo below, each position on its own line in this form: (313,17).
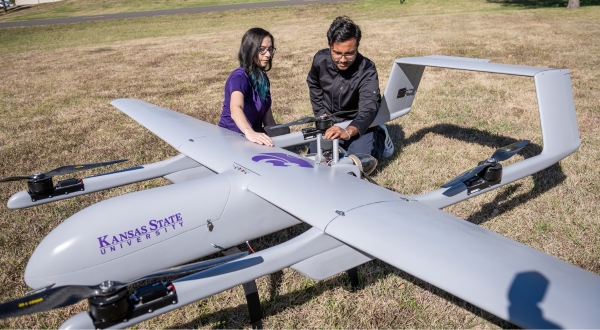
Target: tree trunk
(573,4)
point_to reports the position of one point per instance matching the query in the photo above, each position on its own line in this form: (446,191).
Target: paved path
(192,10)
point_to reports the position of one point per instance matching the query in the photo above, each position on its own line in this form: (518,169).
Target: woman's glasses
(263,50)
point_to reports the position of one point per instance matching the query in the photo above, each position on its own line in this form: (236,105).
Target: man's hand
(259,138)
(336,132)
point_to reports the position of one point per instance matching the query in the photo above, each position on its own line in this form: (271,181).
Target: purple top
(254,108)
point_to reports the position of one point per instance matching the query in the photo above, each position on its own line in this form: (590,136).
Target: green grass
(72,8)
(59,80)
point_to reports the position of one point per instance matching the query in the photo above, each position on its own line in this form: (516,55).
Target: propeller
(508,151)
(307,120)
(457,185)
(300,121)
(61,171)
(52,298)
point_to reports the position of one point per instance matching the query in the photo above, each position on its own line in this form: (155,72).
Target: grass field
(57,82)
(71,8)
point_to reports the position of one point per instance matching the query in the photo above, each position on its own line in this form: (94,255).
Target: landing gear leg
(353,276)
(252,298)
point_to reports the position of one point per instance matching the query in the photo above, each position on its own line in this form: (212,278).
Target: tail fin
(560,132)
(404,81)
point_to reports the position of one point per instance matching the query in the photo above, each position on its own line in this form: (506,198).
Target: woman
(247,104)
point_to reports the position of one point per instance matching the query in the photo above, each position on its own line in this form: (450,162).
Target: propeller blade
(466,175)
(76,168)
(307,120)
(190,268)
(300,121)
(455,190)
(14,178)
(47,300)
(510,150)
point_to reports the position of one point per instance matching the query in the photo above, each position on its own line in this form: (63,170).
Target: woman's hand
(236,105)
(259,138)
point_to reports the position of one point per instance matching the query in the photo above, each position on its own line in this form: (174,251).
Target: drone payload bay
(227,190)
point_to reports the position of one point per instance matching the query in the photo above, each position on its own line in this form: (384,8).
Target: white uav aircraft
(228,190)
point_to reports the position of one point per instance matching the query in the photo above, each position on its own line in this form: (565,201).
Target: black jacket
(354,91)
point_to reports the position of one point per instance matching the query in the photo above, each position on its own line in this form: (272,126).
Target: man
(344,84)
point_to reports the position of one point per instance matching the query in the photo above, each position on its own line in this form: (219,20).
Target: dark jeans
(371,143)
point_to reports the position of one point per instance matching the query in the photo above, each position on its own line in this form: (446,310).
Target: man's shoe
(389,146)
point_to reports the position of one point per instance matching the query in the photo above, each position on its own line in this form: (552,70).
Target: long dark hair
(248,54)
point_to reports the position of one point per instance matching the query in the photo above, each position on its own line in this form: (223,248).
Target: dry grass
(72,8)
(54,111)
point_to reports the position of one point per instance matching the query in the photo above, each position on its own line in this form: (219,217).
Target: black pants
(371,143)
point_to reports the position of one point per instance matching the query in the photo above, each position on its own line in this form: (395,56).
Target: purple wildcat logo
(281,159)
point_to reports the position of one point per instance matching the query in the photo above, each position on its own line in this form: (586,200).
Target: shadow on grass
(532,4)
(238,317)
(369,273)
(543,180)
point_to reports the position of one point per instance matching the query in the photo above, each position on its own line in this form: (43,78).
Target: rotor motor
(323,123)
(493,173)
(109,308)
(40,184)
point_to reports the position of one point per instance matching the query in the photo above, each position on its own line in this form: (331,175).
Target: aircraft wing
(506,278)
(511,280)
(212,146)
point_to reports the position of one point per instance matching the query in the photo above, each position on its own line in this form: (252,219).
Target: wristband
(349,136)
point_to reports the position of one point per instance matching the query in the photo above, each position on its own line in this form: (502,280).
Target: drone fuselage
(132,235)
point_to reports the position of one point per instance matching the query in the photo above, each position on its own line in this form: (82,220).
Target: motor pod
(493,173)
(132,235)
(323,123)
(490,176)
(40,185)
(366,163)
(110,307)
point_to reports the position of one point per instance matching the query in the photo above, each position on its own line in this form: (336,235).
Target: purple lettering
(152,224)
(103,241)
(128,236)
